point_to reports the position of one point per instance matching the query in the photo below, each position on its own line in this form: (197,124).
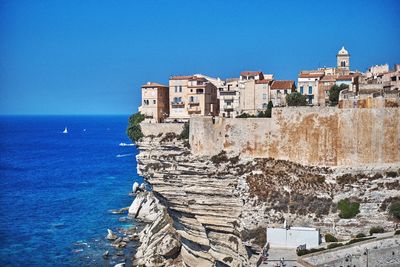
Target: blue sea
(57,189)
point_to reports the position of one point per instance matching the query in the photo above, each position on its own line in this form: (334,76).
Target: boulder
(111,235)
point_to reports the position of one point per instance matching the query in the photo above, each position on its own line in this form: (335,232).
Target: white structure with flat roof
(292,237)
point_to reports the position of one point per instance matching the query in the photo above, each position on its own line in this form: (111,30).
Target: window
(310,90)
(301,89)
(285,92)
(180,89)
(154,102)
(264,105)
(343,64)
(264,96)
(176,89)
(191,99)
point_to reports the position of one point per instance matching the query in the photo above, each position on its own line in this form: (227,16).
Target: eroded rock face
(208,212)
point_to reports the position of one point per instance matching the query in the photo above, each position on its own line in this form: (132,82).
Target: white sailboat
(65,130)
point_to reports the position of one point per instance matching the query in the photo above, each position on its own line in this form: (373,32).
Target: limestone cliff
(213,211)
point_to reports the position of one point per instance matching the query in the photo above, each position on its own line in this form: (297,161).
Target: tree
(394,209)
(266,113)
(296,99)
(334,93)
(348,209)
(134,131)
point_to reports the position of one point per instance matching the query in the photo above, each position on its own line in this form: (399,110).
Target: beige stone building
(325,85)
(308,84)
(343,62)
(155,106)
(192,96)
(279,90)
(391,80)
(229,98)
(254,89)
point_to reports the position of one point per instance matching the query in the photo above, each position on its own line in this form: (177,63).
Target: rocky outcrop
(210,211)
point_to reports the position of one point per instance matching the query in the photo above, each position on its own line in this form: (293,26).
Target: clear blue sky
(90,57)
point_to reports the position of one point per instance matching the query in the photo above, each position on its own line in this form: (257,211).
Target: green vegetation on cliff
(394,209)
(334,93)
(134,131)
(348,209)
(296,99)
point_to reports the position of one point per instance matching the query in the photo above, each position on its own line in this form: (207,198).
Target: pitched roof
(265,81)
(282,84)
(328,78)
(348,77)
(181,77)
(311,74)
(250,73)
(151,84)
(195,78)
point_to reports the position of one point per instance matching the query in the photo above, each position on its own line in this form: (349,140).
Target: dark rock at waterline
(119,239)
(106,254)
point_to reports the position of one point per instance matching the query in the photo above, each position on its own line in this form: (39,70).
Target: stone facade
(155,105)
(311,136)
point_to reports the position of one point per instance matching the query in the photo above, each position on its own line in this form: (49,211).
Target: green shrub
(185,131)
(355,240)
(134,131)
(334,245)
(348,209)
(394,209)
(397,232)
(296,99)
(376,230)
(308,251)
(360,235)
(330,238)
(245,115)
(334,93)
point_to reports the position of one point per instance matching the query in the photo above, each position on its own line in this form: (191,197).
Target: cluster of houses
(201,95)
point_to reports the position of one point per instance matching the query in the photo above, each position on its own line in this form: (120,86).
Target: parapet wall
(306,135)
(160,128)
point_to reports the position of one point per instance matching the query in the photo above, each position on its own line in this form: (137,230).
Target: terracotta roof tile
(265,81)
(151,84)
(311,74)
(250,73)
(282,84)
(181,77)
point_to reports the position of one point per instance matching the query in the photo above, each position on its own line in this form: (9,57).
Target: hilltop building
(279,90)
(229,98)
(155,105)
(343,62)
(254,87)
(308,84)
(191,96)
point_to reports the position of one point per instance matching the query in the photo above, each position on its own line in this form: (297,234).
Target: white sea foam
(123,155)
(125,144)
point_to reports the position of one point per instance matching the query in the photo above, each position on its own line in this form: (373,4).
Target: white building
(292,237)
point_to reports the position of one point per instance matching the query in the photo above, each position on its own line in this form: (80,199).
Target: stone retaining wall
(307,135)
(160,128)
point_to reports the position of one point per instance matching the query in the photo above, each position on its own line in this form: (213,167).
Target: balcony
(177,104)
(228,107)
(224,93)
(194,110)
(194,103)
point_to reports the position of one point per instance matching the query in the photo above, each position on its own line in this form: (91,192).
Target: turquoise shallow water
(56,189)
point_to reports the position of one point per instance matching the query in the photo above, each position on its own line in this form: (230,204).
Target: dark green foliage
(330,238)
(376,230)
(245,115)
(185,131)
(334,93)
(397,232)
(266,113)
(134,131)
(296,99)
(360,235)
(334,245)
(356,240)
(394,209)
(308,251)
(348,209)
(168,137)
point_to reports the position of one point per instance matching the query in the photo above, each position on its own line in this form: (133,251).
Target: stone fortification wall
(307,135)
(160,128)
